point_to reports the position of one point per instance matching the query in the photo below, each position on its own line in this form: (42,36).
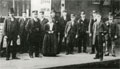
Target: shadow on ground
(112,64)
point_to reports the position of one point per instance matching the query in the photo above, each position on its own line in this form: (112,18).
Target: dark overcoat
(11,28)
(34,30)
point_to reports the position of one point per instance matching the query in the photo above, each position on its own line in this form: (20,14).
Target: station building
(72,6)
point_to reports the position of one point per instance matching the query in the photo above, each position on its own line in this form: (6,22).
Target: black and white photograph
(59,34)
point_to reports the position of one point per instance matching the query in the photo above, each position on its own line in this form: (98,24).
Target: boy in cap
(70,33)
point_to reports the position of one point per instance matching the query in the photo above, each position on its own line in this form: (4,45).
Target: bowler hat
(11,10)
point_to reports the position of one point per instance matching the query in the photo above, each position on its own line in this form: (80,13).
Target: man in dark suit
(82,32)
(34,29)
(23,33)
(70,33)
(63,21)
(10,32)
(43,21)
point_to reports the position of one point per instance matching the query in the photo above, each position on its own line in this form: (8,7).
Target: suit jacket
(111,29)
(82,26)
(22,24)
(56,21)
(114,30)
(34,29)
(63,24)
(70,30)
(98,29)
(11,28)
(57,18)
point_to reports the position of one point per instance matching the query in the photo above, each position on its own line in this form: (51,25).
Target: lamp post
(23,7)
(62,5)
(14,4)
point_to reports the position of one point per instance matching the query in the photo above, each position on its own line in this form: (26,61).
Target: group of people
(55,34)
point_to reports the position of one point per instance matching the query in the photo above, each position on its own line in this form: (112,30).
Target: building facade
(72,6)
(18,5)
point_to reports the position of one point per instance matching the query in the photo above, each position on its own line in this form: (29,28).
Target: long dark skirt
(50,45)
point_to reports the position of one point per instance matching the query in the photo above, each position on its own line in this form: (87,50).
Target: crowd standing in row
(53,35)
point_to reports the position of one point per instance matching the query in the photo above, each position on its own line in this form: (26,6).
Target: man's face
(82,15)
(98,17)
(111,19)
(94,14)
(41,15)
(35,15)
(11,14)
(50,19)
(53,14)
(64,13)
(24,14)
(72,18)
(110,13)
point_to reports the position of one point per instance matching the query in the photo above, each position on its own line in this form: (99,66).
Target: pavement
(47,62)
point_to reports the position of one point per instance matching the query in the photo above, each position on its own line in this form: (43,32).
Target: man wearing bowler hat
(10,32)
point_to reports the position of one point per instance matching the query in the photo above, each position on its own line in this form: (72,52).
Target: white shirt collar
(42,19)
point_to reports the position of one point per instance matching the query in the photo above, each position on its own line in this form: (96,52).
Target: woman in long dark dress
(50,40)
